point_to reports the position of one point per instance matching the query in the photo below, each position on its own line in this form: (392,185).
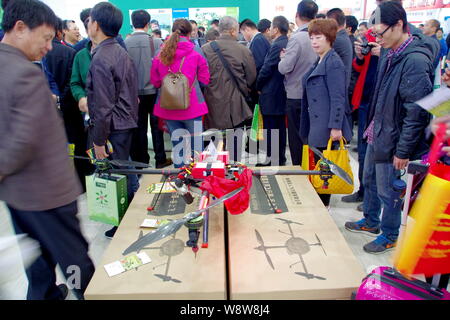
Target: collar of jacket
(303,26)
(226,37)
(319,68)
(418,44)
(104,43)
(13,50)
(280,38)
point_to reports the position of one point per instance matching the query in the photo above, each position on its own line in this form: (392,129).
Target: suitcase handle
(423,285)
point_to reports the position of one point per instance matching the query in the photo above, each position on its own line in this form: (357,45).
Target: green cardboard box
(107,197)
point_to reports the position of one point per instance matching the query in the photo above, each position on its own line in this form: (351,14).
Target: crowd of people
(313,80)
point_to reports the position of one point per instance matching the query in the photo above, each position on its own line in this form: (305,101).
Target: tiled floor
(15,284)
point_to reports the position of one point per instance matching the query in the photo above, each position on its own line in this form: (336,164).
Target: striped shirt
(369,133)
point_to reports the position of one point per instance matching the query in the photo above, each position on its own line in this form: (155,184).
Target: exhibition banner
(203,16)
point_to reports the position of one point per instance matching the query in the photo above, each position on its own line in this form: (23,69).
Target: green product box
(107,197)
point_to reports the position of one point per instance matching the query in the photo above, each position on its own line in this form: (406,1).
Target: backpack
(175,90)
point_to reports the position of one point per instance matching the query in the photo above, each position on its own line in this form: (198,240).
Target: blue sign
(180,13)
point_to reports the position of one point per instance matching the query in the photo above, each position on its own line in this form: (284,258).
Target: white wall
(269,8)
(70,10)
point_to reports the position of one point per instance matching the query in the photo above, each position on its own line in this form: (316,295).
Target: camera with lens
(365,46)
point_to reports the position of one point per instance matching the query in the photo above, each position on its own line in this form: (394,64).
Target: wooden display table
(175,272)
(298,254)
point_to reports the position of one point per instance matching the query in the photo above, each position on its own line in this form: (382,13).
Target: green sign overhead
(236,8)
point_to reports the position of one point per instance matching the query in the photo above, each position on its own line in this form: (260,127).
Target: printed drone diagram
(294,245)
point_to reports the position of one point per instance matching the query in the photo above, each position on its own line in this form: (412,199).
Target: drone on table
(191,178)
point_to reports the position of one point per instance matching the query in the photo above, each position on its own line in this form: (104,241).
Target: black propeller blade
(263,248)
(334,168)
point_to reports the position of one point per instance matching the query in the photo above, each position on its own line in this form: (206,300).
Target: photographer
(367,53)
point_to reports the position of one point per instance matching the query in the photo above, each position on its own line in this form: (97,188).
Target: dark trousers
(324,197)
(59,235)
(76,134)
(139,146)
(121,142)
(362,145)
(276,123)
(293,109)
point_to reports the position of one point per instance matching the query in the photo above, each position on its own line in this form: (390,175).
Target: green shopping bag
(256,132)
(107,198)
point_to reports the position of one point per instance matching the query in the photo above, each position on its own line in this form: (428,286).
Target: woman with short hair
(325,94)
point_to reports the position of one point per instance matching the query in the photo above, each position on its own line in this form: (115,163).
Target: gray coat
(298,60)
(324,101)
(34,161)
(227,107)
(138,46)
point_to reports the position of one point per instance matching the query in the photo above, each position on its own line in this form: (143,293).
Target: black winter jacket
(399,122)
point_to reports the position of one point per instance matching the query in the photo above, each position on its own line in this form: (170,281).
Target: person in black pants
(59,234)
(139,146)
(37,181)
(270,83)
(142,49)
(112,90)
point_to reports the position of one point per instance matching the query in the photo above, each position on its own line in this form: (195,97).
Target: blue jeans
(362,144)
(178,130)
(378,185)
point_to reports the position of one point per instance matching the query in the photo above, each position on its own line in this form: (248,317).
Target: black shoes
(110,233)
(356,197)
(164,164)
(360,208)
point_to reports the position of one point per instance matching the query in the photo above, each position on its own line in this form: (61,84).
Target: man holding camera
(365,63)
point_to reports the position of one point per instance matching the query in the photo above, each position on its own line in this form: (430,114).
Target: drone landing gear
(194,233)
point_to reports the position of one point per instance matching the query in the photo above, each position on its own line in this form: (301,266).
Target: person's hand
(100,152)
(376,50)
(358,50)
(446,75)
(436,122)
(400,164)
(336,135)
(282,53)
(83,105)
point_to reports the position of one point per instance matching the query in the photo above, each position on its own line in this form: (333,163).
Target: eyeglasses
(380,35)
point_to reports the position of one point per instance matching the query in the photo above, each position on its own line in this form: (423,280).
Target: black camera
(365,46)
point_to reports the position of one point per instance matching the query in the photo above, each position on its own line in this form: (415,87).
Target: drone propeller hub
(204,245)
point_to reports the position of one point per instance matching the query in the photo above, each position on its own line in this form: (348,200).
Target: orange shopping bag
(425,245)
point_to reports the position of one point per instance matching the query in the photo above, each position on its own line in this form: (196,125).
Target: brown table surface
(301,268)
(202,277)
